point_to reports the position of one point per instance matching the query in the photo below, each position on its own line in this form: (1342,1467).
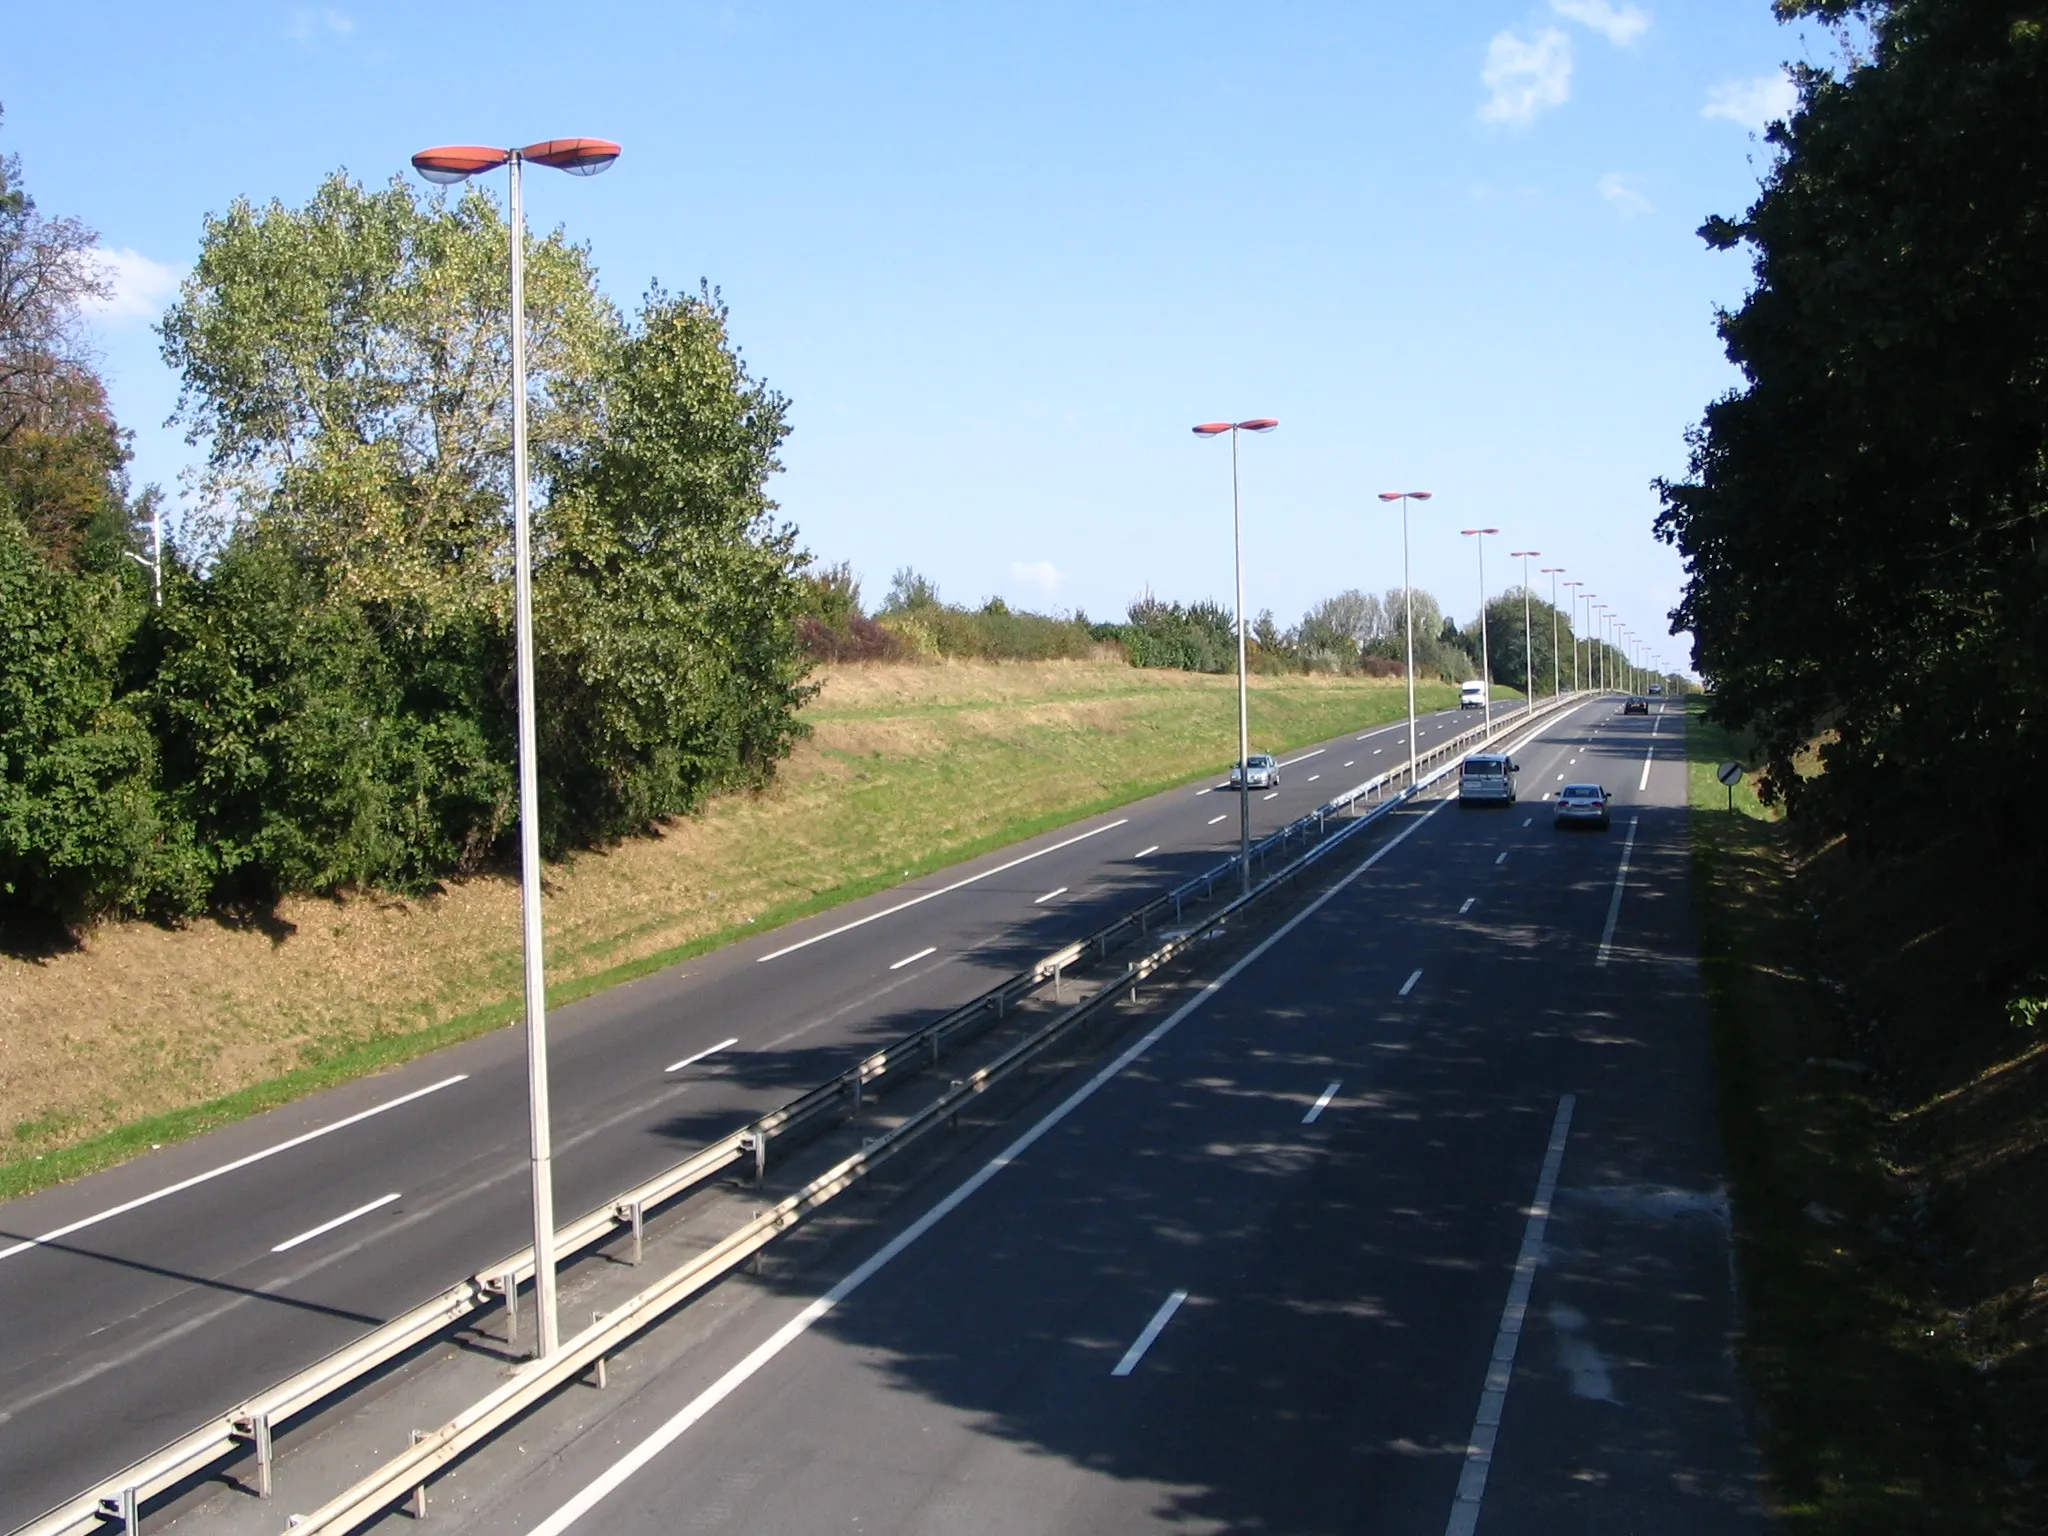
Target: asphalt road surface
(139,1302)
(1412,1222)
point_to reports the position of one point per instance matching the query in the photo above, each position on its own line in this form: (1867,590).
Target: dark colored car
(1636,707)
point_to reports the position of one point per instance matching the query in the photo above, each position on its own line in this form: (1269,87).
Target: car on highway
(1581,805)
(1259,771)
(1636,707)
(1487,778)
(1656,690)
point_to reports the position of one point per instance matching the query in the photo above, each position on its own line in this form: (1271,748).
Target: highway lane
(1257,1279)
(144,1322)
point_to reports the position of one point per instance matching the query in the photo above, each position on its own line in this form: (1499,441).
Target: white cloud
(1619,24)
(305,25)
(1525,78)
(1754,104)
(140,287)
(1040,574)
(1625,192)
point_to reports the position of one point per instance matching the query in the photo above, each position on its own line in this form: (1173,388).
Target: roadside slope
(165,1033)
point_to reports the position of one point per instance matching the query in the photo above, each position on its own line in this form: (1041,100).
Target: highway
(140,1301)
(1410,1220)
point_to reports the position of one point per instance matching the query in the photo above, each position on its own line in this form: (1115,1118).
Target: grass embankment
(1894,1321)
(145,1035)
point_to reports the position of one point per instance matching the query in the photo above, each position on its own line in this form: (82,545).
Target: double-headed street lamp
(1408,611)
(1528,632)
(446,165)
(1244,734)
(1575,633)
(1485,660)
(1556,666)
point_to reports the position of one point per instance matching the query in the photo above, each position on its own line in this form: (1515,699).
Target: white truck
(1472,695)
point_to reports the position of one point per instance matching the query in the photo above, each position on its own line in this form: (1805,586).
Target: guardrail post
(419,1490)
(853,1078)
(598,1370)
(634,1211)
(126,1507)
(1057,972)
(255,1428)
(508,1287)
(757,1144)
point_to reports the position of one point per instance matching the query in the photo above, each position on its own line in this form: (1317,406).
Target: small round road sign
(1728,773)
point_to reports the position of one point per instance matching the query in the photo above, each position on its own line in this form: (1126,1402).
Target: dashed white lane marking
(1493,1396)
(1350,762)
(1313,777)
(1467,907)
(1503,857)
(1620,884)
(1528,821)
(1409,985)
(240,1162)
(693,1412)
(1153,1329)
(1146,853)
(1272,796)
(1214,819)
(1644,782)
(1321,1104)
(1376,751)
(1048,896)
(902,906)
(691,1061)
(1560,776)
(929,949)
(1291,761)
(328,1226)
(1205,790)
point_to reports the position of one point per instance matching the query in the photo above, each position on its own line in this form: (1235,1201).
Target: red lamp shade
(455,162)
(579,157)
(1259,424)
(1212,428)
(1411,495)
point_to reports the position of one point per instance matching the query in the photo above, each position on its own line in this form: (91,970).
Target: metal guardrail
(115,1502)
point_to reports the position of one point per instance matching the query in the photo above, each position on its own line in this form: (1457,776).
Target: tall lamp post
(444,166)
(1528,630)
(1575,633)
(1485,658)
(1408,610)
(1244,734)
(1556,666)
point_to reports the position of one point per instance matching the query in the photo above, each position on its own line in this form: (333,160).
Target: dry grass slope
(908,768)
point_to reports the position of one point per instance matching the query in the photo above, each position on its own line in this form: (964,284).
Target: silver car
(1581,805)
(1259,771)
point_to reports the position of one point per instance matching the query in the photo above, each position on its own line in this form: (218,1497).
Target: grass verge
(145,1036)
(1874,1422)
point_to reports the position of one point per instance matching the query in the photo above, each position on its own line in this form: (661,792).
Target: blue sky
(1002,257)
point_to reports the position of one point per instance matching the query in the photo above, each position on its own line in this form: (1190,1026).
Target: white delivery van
(1472,695)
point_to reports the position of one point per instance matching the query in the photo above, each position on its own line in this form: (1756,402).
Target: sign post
(1729,774)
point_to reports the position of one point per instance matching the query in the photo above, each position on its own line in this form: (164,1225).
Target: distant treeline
(1351,633)
(324,696)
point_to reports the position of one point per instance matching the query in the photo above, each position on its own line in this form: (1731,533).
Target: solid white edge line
(1153,1329)
(929,949)
(1291,761)
(1048,896)
(676,1427)
(240,1162)
(328,1226)
(833,933)
(1409,985)
(1500,1369)
(691,1061)
(1146,853)
(1620,884)
(1322,1103)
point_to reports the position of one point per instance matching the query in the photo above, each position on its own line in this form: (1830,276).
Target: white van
(1472,695)
(1487,778)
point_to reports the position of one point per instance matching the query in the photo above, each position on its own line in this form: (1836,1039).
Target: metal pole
(1528,640)
(1408,609)
(1485,661)
(1244,777)
(156,548)
(1556,666)
(529,814)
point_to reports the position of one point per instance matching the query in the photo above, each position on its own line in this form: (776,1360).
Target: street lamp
(1528,633)
(1556,666)
(155,563)
(1244,733)
(1575,633)
(1408,610)
(445,166)
(1485,661)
